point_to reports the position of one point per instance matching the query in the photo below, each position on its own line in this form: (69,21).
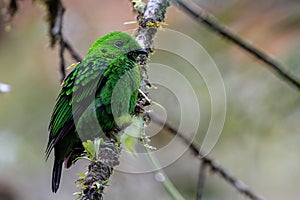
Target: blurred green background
(260,140)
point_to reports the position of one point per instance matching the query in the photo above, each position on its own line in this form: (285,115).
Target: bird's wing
(77,93)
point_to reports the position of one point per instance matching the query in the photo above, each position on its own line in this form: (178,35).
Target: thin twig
(7,12)
(214,166)
(12,7)
(75,55)
(201,180)
(55,17)
(59,23)
(210,22)
(163,178)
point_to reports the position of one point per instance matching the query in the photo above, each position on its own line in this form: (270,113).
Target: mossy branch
(99,171)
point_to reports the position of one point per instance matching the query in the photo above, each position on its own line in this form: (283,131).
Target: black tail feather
(56,174)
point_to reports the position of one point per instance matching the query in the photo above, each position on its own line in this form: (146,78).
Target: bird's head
(116,44)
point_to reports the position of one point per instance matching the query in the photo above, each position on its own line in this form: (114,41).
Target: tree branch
(201,180)
(214,166)
(211,23)
(55,19)
(12,7)
(100,170)
(59,23)
(75,55)
(150,21)
(7,11)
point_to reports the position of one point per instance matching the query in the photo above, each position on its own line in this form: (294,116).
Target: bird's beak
(142,51)
(138,53)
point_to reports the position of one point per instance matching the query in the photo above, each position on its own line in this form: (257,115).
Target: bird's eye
(119,43)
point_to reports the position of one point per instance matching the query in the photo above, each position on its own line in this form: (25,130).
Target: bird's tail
(56,174)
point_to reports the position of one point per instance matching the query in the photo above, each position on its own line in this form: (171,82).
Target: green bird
(96,97)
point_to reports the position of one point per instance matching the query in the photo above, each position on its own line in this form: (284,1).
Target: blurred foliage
(260,139)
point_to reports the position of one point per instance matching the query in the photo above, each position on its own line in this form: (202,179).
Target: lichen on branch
(100,169)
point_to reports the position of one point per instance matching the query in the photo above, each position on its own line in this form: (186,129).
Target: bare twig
(210,22)
(59,23)
(55,18)
(214,166)
(75,55)
(7,11)
(13,7)
(162,177)
(201,180)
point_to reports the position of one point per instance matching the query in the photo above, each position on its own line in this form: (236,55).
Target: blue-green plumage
(101,89)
